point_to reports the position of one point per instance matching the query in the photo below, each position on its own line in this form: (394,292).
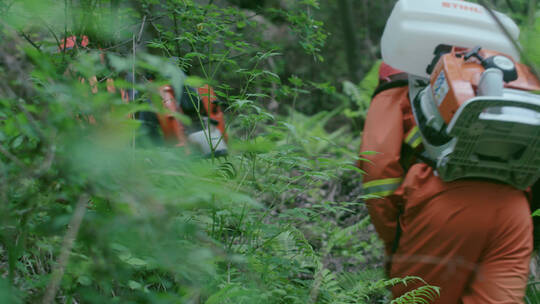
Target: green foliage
(532,295)
(277,221)
(423,295)
(361,94)
(531,42)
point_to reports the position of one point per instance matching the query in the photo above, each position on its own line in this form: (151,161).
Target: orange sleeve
(383,134)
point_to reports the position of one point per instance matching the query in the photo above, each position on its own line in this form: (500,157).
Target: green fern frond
(532,294)
(342,236)
(422,295)
(395,281)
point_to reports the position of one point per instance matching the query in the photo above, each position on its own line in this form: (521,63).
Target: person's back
(472,238)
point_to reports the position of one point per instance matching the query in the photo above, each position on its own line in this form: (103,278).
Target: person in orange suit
(471,238)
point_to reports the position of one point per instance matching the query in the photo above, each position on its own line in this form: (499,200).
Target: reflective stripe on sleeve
(382,187)
(413,138)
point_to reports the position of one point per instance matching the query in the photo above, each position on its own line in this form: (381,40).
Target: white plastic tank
(416,27)
(201,140)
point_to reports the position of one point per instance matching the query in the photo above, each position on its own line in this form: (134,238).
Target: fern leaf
(422,295)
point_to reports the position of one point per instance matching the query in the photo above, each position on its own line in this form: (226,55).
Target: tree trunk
(532,12)
(345,10)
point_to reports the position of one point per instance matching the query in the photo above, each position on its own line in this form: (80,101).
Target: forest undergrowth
(92,211)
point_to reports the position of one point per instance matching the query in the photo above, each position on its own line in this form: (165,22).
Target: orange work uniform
(471,238)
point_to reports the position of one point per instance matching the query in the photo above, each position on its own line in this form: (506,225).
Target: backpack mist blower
(473,102)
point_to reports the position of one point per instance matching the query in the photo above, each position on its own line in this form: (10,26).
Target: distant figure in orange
(472,238)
